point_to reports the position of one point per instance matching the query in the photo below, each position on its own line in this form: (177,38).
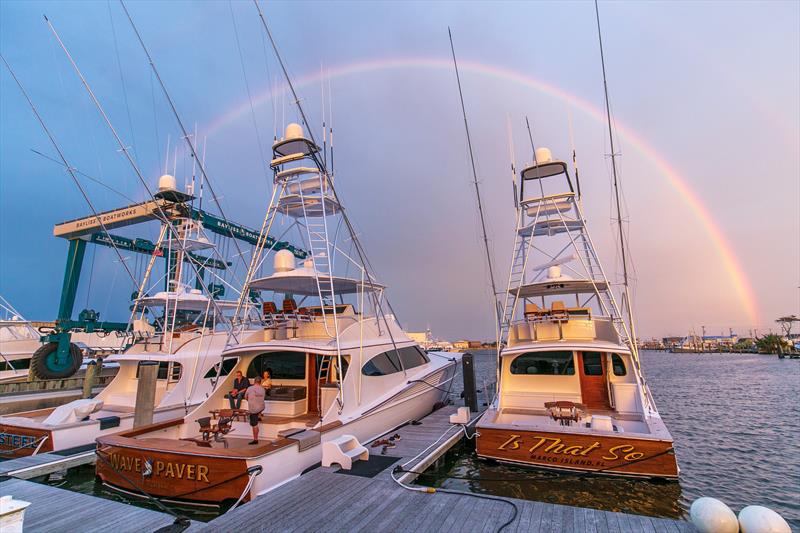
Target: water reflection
(653,498)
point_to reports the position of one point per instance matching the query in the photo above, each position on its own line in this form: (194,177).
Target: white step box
(343,450)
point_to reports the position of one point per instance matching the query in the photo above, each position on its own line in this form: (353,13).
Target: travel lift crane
(58,357)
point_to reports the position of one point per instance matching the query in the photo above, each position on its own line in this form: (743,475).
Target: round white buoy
(709,515)
(759,519)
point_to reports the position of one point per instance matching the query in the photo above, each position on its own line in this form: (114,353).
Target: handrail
(538,199)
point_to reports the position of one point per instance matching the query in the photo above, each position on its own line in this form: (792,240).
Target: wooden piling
(145,394)
(90,377)
(468,372)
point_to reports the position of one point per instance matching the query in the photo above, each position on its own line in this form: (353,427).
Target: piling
(468,372)
(145,394)
(90,378)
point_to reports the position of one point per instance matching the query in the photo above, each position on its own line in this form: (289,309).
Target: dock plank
(53,509)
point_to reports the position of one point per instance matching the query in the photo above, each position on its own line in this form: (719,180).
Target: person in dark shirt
(240,385)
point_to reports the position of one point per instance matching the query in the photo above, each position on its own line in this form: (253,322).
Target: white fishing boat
(343,371)
(185,337)
(18,341)
(571,392)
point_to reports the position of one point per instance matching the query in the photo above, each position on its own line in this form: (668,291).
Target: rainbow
(721,244)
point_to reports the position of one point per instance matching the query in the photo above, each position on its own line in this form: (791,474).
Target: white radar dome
(543,155)
(709,515)
(166,183)
(284,261)
(554,272)
(294,131)
(758,519)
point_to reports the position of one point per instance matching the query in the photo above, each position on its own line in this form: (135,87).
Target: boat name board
(159,468)
(13,440)
(556,450)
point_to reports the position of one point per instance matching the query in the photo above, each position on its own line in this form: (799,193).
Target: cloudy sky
(704,95)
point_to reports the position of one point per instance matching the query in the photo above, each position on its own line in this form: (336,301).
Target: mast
(626,290)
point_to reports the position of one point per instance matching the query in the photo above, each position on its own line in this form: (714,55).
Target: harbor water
(735,419)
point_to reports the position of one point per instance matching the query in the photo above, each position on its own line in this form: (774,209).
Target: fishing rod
(184,131)
(626,293)
(498,316)
(125,150)
(69,168)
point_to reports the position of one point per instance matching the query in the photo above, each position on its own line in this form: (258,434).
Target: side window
(227,366)
(544,363)
(175,372)
(382,365)
(619,365)
(592,364)
(412,356)
(163,370)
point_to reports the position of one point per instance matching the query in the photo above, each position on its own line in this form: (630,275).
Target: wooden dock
(46,463)
(59,510)
(326,499)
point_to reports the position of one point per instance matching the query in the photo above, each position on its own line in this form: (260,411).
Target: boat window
(281,365)
(382,364)
(15,364)
(618,364)
(412,356)
(227,366)
(544,363)
(395,361)
(163,370)
(175,372)
(592,364)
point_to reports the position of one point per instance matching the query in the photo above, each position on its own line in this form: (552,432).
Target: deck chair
(558,310)
(290,308)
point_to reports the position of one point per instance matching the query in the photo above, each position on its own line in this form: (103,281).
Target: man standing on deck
(255,395)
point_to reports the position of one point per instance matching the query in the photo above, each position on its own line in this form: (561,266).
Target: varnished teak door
(594,388)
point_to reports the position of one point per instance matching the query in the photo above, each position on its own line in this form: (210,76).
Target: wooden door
(594,388)
(312,392)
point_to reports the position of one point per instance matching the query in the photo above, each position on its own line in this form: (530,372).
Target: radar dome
(543,155)
(294,131)
(166,183)
(554,272)
(284,261)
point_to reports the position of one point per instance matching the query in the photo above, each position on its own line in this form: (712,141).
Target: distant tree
(786,323)
(771,344)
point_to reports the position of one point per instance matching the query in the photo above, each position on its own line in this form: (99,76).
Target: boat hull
(598,454)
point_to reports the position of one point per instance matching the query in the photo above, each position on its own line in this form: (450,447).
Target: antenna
(632,340)
(574,154)
(324,134)
(511,158)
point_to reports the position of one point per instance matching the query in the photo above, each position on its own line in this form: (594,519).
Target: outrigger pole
(626,294)
(495,302)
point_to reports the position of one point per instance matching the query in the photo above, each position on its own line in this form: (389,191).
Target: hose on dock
(432,490)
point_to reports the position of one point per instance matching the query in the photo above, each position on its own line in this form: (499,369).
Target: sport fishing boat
(342,369)
(186,338)
(571,393)
(18,341)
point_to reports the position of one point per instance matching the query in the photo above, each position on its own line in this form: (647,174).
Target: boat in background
(18,342)
(342,368)
(571,393)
